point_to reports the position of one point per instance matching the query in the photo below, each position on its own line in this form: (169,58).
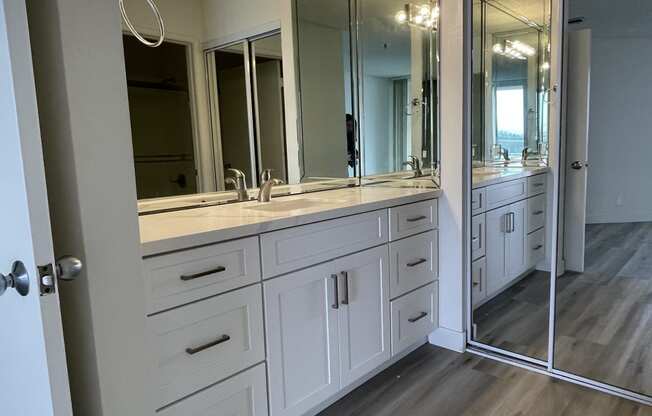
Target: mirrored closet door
(603,329)
(512,185)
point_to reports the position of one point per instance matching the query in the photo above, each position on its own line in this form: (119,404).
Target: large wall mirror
(322,93)
(512,186)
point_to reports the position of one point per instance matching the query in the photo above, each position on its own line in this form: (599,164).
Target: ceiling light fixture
(514,49)
(423,16)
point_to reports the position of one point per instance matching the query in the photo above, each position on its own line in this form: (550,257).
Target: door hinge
(47,280)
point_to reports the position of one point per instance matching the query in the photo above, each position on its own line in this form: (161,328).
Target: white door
(364,313)
(33,372)
(577,146)
(301,312)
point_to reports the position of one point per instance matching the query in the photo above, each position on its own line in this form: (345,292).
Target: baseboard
(449,339)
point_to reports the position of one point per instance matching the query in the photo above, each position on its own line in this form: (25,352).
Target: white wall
(620,126)
(620,131)
(228,20)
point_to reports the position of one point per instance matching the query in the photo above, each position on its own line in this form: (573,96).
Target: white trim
(449,339)
(255,31)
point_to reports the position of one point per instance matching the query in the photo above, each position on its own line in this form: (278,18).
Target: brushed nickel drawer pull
(196,350)
(538,185)
(538,212)
(537,248)
(187,277)
(345,300)
(418,318)
(415,219)
(336,294)
(416,263)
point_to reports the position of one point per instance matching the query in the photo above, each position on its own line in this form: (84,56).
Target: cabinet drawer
(478,201)
(414,316)
(202,343)
(478,236)
(294,248)
(537,185)
(536,247)
(536,208)
(412,219)
(413,263)
(479,281)
(506,193)
(242,395)
(186,276)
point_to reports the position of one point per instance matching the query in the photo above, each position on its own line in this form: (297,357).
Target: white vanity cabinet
(506,242)
(327,326)
(320,306)
(512,228)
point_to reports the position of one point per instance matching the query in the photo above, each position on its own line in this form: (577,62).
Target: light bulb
(418,19)
(401,17)
(424,10)
(435,12)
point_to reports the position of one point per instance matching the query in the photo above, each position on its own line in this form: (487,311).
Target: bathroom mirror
(398,81)
(328,147)
(512,187)
(510,83)
(339,90)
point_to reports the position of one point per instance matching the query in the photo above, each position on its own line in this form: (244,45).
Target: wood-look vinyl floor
(604,315)
(436,382)
(604,327)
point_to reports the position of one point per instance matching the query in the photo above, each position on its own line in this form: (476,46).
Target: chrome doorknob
(17,279)
(68,268)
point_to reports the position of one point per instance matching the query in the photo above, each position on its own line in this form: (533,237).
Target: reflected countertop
(492,175)
(178,230)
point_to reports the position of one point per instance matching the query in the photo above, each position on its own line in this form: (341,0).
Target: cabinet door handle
(537,248)
(416,263)
(196,350)
(538,213)
(538,185)
(508,219)
(187,277)
(345,299)
(336,295)
(415,219)
(512,222)
(418,318)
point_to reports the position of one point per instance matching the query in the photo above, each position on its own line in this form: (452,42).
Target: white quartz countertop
(488,176)
(172,231)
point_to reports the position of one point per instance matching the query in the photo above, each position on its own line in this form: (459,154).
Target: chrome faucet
(415,164)
(265,192)
(239,183)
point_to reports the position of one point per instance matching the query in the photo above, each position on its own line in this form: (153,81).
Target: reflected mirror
(399,71)
(603,327)
(512,185)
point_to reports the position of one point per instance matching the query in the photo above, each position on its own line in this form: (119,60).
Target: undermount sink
(279,206)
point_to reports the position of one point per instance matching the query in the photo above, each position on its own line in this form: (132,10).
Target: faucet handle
(266,175)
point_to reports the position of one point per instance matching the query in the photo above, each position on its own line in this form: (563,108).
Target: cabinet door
(301,311)
(364,313)
(478,237)
(516,247)
(478,281)
(496,226)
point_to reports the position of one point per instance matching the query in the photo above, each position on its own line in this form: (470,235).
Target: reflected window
(510,120)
